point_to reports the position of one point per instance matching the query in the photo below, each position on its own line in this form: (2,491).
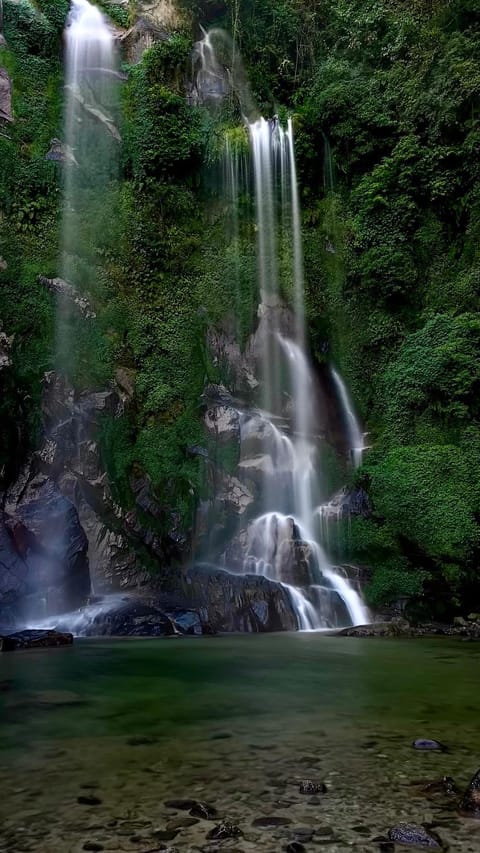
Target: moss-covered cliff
(386,103)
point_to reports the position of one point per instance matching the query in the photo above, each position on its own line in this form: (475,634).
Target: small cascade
(356,438)
(211,77)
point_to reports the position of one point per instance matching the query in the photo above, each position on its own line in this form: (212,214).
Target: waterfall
(278,441)
(91,153)
(356,439)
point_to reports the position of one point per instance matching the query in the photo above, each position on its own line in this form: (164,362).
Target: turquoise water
(237,722)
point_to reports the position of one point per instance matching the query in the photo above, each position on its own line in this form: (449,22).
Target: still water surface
(237,722)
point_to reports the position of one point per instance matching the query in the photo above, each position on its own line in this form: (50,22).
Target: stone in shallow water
(295,847)
(303,833)
(309,787)
(181,805)
(93,846)
(470,803)
(203,810)
(181,822)
(224,830)
(425,744)
(413,835)
(270,822)
(88,800)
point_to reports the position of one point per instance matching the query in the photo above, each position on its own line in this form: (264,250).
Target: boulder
(470,803)
(229,602)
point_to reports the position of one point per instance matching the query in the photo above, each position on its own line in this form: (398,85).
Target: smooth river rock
(35,640)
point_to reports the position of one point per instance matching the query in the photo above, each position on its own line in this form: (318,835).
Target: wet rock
(295,847)
(394,628)
(414,835)
(246,603)
(93,846)
(89,800)
(470,803)
(386,847)
(31,639)
(270,822)
(425,744)
(309,787)
(203,810)
(223,830)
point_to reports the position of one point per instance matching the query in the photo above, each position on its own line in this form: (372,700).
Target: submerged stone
(88,800)
(270,822)
(181,805)
(427,744)
(295,847)
(309,787)
(203,810)
(226,829)
(470,803)
(414,835)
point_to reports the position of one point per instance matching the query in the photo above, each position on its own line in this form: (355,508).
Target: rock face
(5,97)
(44,564)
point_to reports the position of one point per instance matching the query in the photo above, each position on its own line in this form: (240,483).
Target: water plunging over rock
(280,459)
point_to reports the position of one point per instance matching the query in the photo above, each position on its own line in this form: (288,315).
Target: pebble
(309,787)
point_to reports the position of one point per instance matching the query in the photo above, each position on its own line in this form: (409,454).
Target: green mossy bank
(386,104)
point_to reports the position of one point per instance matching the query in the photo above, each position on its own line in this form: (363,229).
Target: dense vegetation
(386,99)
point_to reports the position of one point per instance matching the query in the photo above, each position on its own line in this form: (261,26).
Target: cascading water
(91,154)
(281,542)
(356,438)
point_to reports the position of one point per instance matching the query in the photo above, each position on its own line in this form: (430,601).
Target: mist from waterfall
(90,146)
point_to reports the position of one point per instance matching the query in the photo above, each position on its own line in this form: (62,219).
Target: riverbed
(96,738)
